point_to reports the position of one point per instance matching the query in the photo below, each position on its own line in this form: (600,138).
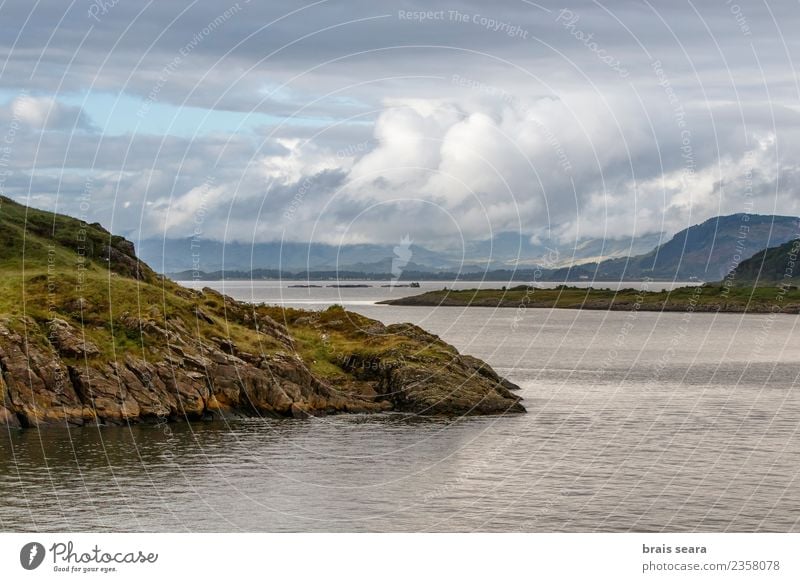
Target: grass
(119,315)
(31,237)
(336,343)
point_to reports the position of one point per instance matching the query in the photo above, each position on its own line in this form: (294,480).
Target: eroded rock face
(38,389)
(460,385)
(447,392)
(51,375)
(68,341)
(194,382)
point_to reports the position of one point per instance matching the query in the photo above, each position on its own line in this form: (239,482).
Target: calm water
(643,422)
(288,292)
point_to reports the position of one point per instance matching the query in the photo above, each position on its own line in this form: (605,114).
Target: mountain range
(703,252)
(504,251)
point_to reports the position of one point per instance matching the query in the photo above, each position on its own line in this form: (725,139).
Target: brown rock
(448,391)
(8,419)
(70,342)
(37,385)
(105,394)
(189,388)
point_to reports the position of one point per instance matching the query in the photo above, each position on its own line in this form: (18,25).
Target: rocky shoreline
(58,378)
(89,334)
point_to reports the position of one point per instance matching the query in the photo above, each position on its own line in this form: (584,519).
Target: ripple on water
(704,440)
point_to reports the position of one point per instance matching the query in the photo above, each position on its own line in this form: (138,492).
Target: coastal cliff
(89,334)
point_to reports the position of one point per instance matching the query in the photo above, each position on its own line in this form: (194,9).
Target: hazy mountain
(174,255)
(510,249)
(505,251)
(706,251)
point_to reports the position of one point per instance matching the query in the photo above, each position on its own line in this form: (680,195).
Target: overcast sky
(366,121)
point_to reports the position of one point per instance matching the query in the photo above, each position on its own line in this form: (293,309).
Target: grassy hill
(769,267)
(33,239)
(89,334)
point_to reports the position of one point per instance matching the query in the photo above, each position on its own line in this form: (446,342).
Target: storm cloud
(351,122)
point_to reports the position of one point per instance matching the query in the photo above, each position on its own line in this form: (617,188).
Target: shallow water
(643,422)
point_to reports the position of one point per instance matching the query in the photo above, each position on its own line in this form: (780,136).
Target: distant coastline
(519,277)
(708,298)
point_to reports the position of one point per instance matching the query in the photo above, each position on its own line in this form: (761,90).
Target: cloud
(355,124)
(44,114)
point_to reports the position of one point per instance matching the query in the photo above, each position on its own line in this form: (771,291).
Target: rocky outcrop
(447,384)
(68,343)
(37,388)
(454,386)
(113,342)
(58,378)
(41,384)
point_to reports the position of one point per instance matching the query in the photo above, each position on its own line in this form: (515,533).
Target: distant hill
(769,267)
(504,251)
(516,250)
(175,255)
(707,251)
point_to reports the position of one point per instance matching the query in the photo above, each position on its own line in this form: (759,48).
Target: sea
(637,421)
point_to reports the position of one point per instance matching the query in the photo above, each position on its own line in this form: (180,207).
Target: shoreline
(699,299)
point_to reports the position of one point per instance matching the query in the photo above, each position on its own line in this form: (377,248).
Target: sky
(367,122)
